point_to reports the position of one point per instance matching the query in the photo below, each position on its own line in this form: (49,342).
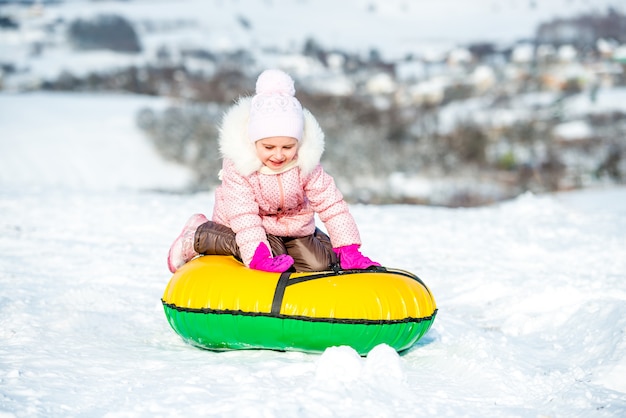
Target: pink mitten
(263,260)
(351,258)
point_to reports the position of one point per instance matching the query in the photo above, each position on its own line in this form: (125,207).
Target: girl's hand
(263,260)
(351,258)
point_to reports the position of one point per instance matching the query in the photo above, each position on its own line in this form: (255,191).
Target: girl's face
(277,151)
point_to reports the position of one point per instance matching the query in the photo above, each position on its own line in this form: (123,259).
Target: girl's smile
(277,151)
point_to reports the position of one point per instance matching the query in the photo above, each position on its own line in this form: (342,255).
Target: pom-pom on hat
(274,109)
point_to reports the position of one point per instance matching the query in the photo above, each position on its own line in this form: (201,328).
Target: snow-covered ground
(80,142)
(531,294)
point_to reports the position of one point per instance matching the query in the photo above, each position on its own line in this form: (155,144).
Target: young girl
(272,186)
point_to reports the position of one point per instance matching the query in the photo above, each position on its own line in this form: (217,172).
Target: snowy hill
(394,28)
(189,46)
(80,142)
(531,294)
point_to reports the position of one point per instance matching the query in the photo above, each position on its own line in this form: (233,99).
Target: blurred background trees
(478,124)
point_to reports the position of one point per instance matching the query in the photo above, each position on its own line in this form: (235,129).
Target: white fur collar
(235,145)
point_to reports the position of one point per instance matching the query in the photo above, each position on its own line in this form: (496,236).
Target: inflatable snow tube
(215,302)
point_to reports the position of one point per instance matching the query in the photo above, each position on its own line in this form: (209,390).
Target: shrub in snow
(111,32)
(186,135)
(7,22)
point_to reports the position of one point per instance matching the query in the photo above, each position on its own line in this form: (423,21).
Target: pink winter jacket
(255,202)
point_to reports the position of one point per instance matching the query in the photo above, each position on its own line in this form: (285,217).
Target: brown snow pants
(310,253)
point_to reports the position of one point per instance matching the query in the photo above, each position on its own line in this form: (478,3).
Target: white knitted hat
(274,109)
